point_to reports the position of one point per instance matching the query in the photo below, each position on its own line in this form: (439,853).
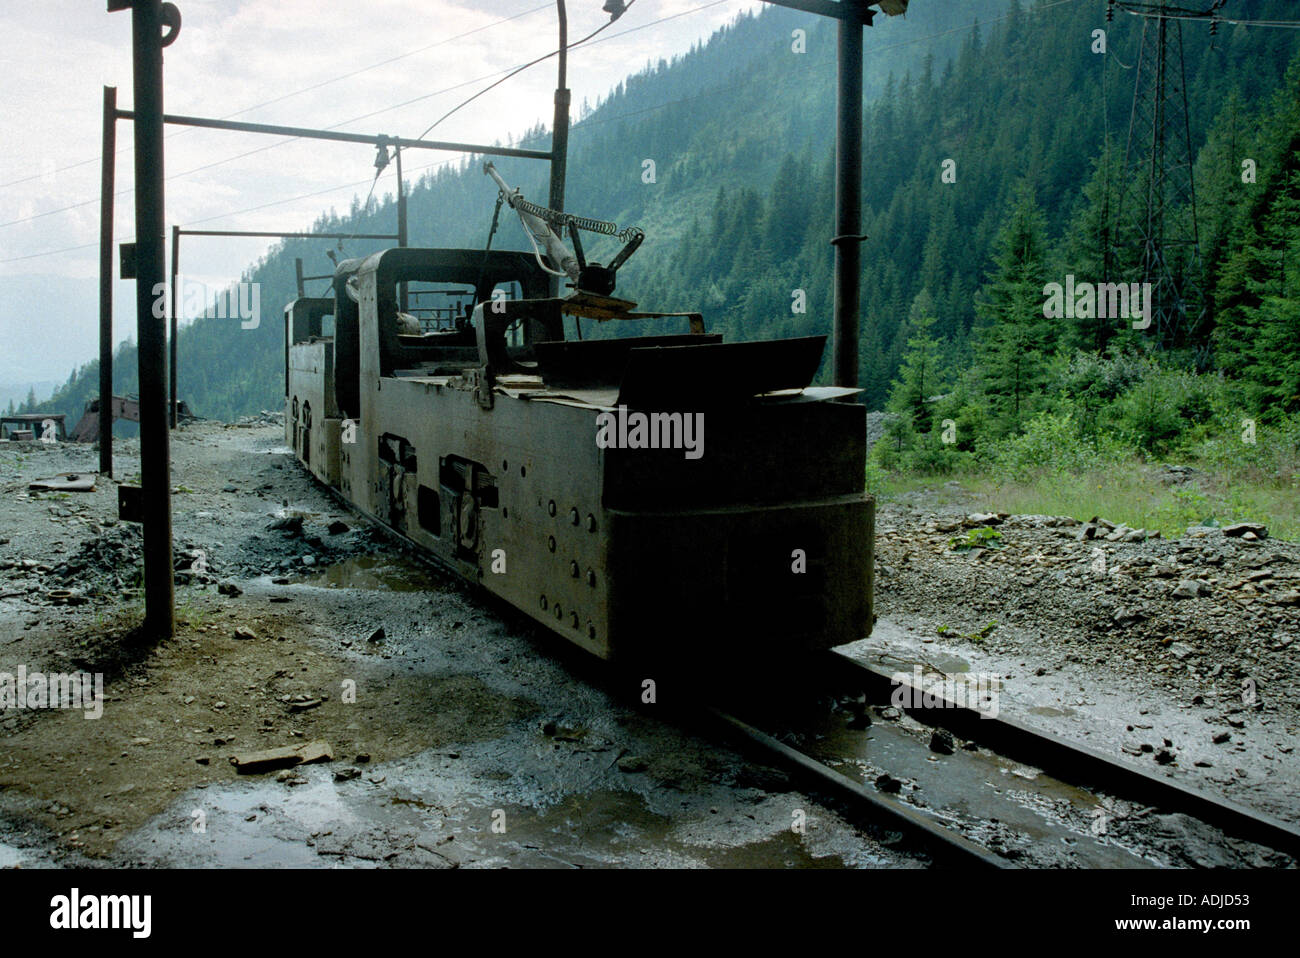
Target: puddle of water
(1050,712)
(405,812)
(373,573)
(947,663)
(255,824)
(10,857)
(783,850)
(1027,801)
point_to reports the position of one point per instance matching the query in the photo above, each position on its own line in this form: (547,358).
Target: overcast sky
(279,61)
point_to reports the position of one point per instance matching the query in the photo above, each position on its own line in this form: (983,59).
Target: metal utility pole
(148,18)
(175,275)
(1159,194)
(107,167)
(401,200)
(848,200)
(852,16)
(404,300)
(560,126)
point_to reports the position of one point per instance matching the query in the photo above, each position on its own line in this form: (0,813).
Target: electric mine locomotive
(664,494)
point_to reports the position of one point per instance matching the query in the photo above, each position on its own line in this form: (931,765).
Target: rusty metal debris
(66,482)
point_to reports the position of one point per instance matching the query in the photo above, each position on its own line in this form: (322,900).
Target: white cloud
(236,54)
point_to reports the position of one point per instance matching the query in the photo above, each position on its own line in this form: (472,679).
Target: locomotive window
(438,306)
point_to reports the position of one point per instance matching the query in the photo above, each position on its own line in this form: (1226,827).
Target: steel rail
(943,843)
(1074,763)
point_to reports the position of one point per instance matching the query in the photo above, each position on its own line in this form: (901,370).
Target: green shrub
(1049,443)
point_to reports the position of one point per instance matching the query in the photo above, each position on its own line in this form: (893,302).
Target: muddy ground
(460,736)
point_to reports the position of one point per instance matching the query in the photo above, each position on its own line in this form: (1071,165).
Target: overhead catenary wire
(509,71)
(1163,11)
(577,127)
(223,215)
(515,72)
(297,92)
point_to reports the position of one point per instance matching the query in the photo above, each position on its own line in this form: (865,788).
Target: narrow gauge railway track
(1079,770)
(952,808)
(1083,768)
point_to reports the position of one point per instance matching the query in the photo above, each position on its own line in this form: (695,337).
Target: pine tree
(920,376)
(1257,337)
(1013,337)
(1088,252)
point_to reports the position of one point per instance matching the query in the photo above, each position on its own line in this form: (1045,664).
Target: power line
(1161,11)
(577,127)
(400,56)
(48,252)
(584,124)
(293,93)
(518,70)
(251,209)
(261,149)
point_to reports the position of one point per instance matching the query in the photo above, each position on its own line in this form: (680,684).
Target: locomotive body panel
(753,535)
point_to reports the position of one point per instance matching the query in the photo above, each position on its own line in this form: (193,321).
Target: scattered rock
(229,588)
(1258,530)
(632,764)
(1126,617)
(887,783)
(244,634)
(347,774)
(266,760)
(291,525)
(942,742)
(1190,589)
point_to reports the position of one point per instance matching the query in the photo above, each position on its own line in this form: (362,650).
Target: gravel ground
(460,736)
(1180,655)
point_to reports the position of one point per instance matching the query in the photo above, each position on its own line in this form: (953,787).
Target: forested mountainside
(727,112)
(1008,99)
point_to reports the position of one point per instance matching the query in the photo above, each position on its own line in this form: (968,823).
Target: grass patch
(1130,494)
(979,538)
